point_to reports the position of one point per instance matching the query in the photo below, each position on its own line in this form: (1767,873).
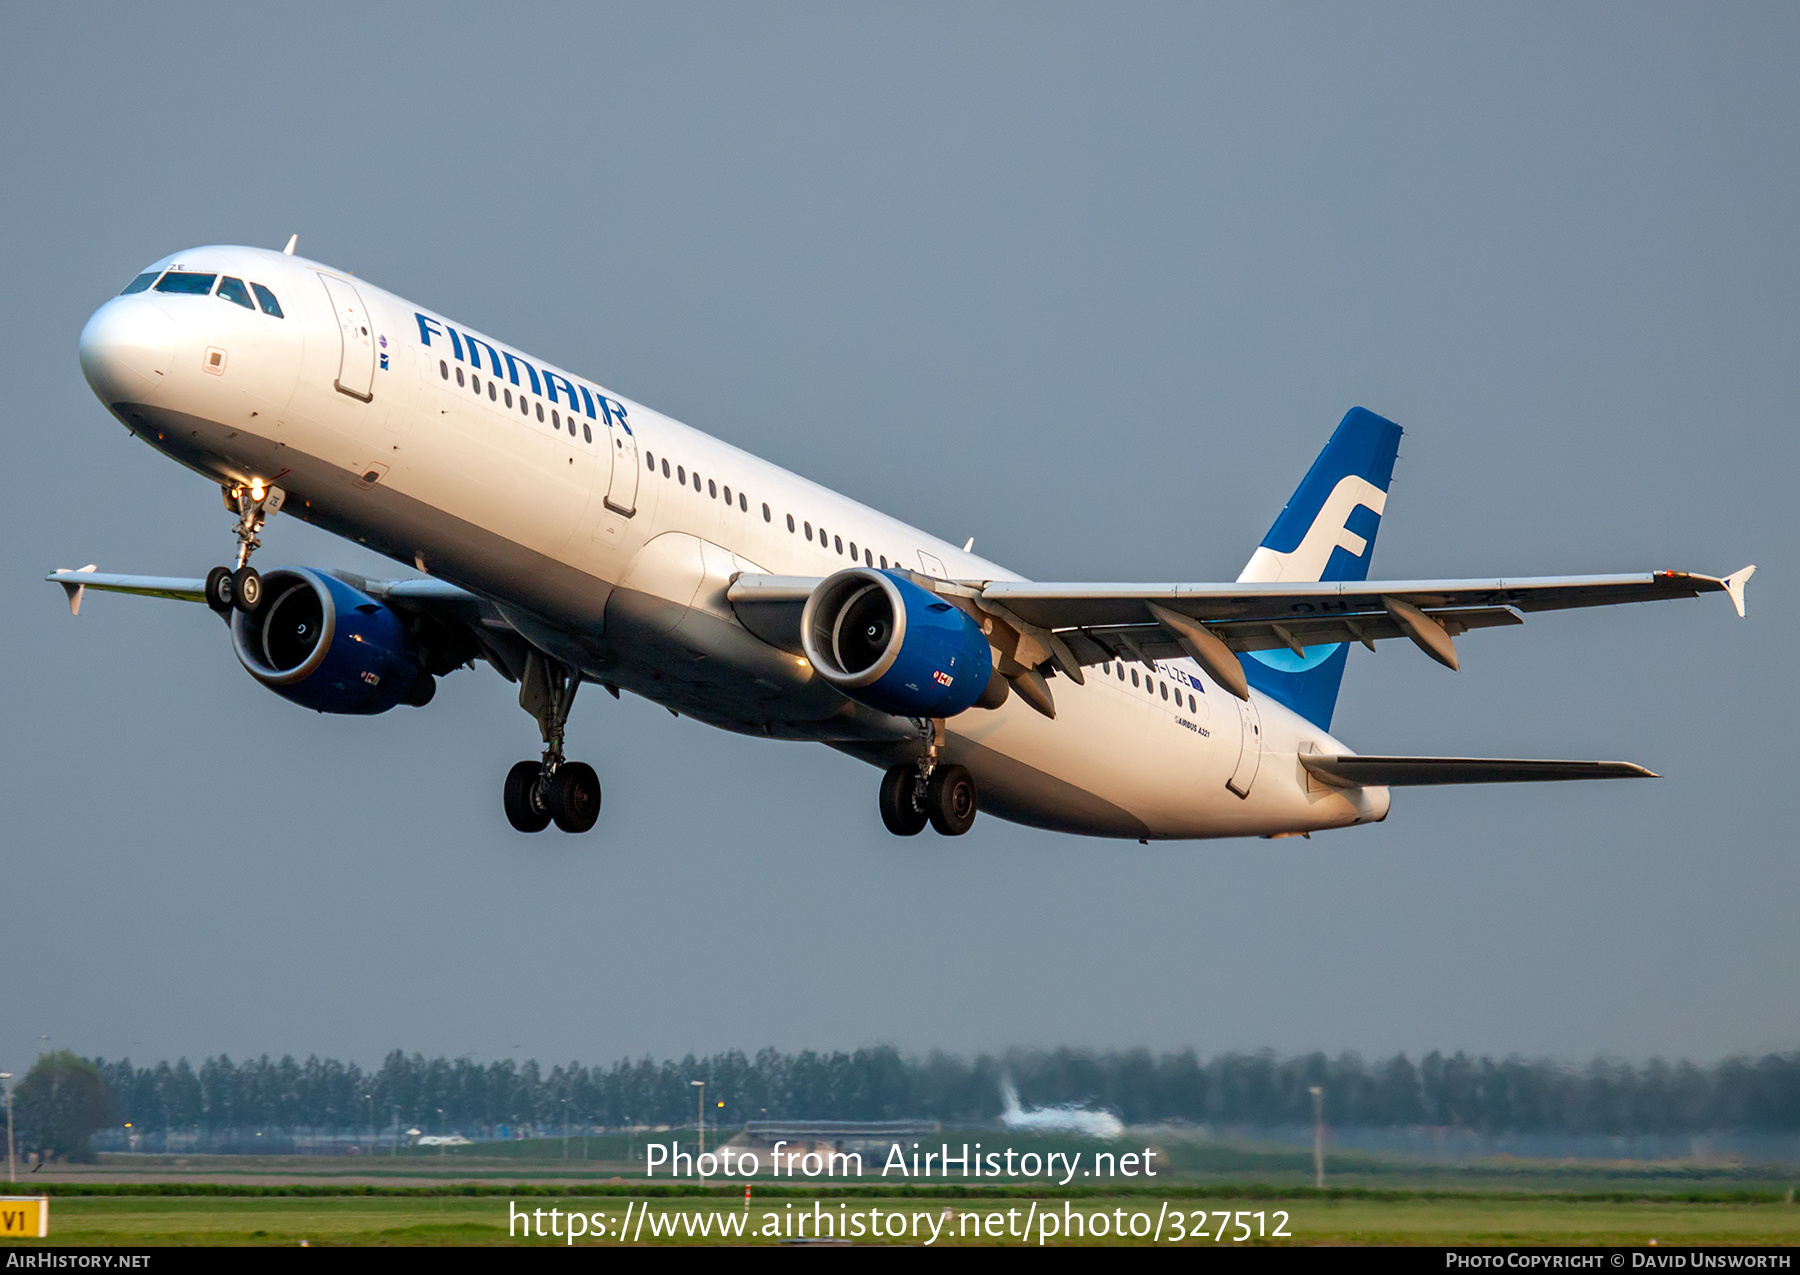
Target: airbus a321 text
(569,536)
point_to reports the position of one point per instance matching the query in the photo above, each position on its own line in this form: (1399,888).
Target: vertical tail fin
(1326,532)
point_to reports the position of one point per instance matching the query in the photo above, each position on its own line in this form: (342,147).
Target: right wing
(494,637)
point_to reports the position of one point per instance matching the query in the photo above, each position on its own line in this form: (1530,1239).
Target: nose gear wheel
(240,587)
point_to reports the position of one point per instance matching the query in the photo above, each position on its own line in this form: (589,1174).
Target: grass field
(451,1220)
(461,1196)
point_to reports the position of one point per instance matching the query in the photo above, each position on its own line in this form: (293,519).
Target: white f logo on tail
(1306,561)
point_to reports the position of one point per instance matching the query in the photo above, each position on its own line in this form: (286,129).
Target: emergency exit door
(621,490)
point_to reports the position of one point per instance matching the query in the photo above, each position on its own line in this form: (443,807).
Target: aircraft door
(356,368)
(1249,748)
(621,490)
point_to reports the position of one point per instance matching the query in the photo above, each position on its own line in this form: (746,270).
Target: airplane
(569,536)
(1065,1118)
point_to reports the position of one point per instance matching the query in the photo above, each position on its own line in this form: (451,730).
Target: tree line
(443,1095)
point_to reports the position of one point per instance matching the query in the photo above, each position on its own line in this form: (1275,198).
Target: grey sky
(1090,284)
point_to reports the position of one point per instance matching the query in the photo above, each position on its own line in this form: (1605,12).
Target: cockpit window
(233,290)
(183,281)
(140,283)
(269,304)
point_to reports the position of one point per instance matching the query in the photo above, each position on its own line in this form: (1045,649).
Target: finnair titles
(568,537)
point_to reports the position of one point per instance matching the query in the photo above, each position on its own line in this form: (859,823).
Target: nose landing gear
(538,793)
(240,588)
(927,791)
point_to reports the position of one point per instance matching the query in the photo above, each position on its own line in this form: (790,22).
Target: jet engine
(885,642)
(329,647)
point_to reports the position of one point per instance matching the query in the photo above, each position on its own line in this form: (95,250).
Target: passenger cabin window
(1164,687)
(884,562)
(744,504)
(868,558)
(839,542)
(712,489)
(808,527)
(1134,680)
(509,398)
(790,519)
(728,495)
(768,515)
(265,298)
(680,475)
(586,433)
(650,460)
(186,282)
(234,291)
(491,395)
(459,376)
(665,467)
(140,283)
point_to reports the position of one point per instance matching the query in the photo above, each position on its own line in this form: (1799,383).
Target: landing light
(256,489)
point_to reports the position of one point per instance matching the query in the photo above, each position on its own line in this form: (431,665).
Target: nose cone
(126,349)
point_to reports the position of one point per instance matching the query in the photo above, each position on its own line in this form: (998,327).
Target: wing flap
(1115,642)
(1396,772)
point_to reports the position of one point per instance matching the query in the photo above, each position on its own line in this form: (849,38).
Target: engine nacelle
(329,647)
(885,642)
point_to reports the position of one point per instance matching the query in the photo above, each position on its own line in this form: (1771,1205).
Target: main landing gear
(538,793)
(926,791)
(240,588)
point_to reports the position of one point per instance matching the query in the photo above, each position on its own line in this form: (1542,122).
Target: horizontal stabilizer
(1396,772)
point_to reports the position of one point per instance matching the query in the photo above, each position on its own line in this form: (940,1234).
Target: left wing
(1071,625)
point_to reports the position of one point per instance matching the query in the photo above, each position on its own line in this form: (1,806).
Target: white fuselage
(611,548)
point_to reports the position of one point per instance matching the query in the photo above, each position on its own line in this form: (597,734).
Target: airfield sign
(27,1215)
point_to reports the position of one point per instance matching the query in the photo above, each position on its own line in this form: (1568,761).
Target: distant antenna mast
(293,242)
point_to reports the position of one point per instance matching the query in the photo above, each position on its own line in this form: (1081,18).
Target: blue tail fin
(1326,532)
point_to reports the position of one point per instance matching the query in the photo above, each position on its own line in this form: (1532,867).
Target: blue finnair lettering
(512,368)
(476,346)
(554,386)
(552,380)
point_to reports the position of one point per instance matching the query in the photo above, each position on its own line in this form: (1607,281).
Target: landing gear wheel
(900,808)
(246,587)
(220,594)
(574,796)
(950,800)
(525,809)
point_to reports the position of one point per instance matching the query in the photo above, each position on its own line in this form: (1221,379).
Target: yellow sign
(27,1215)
